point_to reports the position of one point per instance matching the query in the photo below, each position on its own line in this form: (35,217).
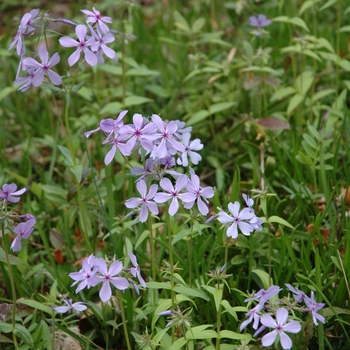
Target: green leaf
(198,25)
(193,73)
(294,102)
(303,82)
(77,170)
(198,117)
(295,20)
(190,292)
(111,69)
(7,91)
(201,332)
(54,193)
(306,5)
(13,260)
(280,221)
(232,310)
(261,70)
(141,72)
(112,107)
(326,44)
(158,285)
(36,305)
(5,327)
(322,94)
(24,334)
(345,64)
(282,93)
(136,100)
(181,22)
(310,141)
(235,336)
(263,278)
(345,29)
(329,3)
(178,344)
(66,154)
(143,236)
(181,235)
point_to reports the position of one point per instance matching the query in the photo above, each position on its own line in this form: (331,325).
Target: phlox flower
(260,21)
(44,67)
(148,170)
(79,306)
(182,128)
(173,193)
(96,18)
(201,193)
(145,201)
(189,148)
(84,275)
(100,45)
(108,275)
(313,306)
(264,295)
(140,131)
(253,314)
(22,230)
(239,219)
(248,201)
(116,142)
(136,271)
(26,81)
(280,327)
(82,45)
(298,294)
(9,193)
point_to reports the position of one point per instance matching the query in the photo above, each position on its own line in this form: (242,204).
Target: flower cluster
(9,194)
(164,144)
(97,270)
(260,22)
(92,41)
(245,220)
(261,313)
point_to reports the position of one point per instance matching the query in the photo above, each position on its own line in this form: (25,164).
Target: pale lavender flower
(100,46)
(248,201)
(280,327)
(26,81)
(298,294)
(237,220)
(149,169)
(9,193)
(313,306)
(260,21)
(140,131)
(168,162)
(174,193)
(167,145)
(136,271)
(145,201)
(253,314)
(181,129)
(82,45)
(264,295)
(84,275)
(27,216)
(116,142)
(44,67)
(189,148)
(107,276)
(201,193)
(95,17)
(22,230)
(79,306)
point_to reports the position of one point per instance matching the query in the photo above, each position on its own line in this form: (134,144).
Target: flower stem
(125,327)
(171,261)
(153,255)
(13,289)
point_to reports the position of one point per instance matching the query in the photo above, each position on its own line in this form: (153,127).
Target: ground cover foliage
(244,97)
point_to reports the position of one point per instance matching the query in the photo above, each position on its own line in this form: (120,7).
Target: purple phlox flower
(264,295)
(27,81)
(280,327)
(96,18)
(260,21)
(313,306)
(22,230)
(168,162)
(253,314)
(167,145)
(256,223)
(27,216)
(140,131)
(201,193)
(298,294)
(189,148)
(25,28)
(136,271)
(79,306)
(116,142)
(237,220)
(145,201)
(9,193)
(44,67)
(248,201)
(68,21)
(165,313)
(82,45)
(148,170)
(100,45)
(107,276)
(181,129)
(174,194)
(84,276)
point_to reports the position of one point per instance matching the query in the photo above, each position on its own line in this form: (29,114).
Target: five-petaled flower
(260,21)
(96,18)
(136,271)
(22,230)
(9,193)
(79,306)
(313,306)
(280,327)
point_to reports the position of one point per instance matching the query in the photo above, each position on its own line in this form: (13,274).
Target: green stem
(125,327)
(226,250)
(153,255)
(13,289)
(218,327)
(171,261)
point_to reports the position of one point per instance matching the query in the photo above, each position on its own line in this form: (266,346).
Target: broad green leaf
(239,259)
(109,68)
(303,82)
(314,132)
(294,102)
(112,107)
(326,44)
(5,327)
(310,141)
(201,332)
(221,106)
(198,116)
(77,170)
(13,260)
(198,25)
(282,93)
(178,344)
(261,70)
(306,5)
(158,337)
(143,236)
(181,22)
(191,292)
(24,334)
(66,154)
(6,91)
(36,305)
(220,177)
(345,64)
(263,278)
(329,312)
(141,72)
(232,310)
(295,20)
(235,336)
(136,100)
(158,285)
(329,3)
(310,53)
(279,220)
(192,74)
(345,29)
(180,235)
(322,94)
